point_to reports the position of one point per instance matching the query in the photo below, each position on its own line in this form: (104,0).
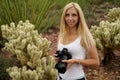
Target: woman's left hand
(69,62)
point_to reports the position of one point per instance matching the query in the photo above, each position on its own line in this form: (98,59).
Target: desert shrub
(107,35)
(113,14)
(31,49)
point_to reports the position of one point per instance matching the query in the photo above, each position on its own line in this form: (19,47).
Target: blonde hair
(86,38)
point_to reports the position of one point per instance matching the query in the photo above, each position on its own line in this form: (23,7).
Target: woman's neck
(73,31)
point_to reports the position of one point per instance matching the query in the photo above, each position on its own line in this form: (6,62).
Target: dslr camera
(62,55)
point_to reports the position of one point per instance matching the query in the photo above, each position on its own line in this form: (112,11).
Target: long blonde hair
(86,38)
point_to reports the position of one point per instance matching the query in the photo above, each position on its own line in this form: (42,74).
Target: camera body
(62,55)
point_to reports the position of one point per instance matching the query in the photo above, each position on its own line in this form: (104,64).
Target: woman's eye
(67,15)
(74,14)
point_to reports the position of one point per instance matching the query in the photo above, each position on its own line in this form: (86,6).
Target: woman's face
(71,17)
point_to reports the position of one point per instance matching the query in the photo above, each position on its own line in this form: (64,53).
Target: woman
(76,37)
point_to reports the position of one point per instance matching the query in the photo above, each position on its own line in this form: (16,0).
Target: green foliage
(4,64)
(61,3)
(1,43)
(117,2)
(107,35)
(37,11)
(83,3)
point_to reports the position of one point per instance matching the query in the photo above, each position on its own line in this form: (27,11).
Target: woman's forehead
(72,9)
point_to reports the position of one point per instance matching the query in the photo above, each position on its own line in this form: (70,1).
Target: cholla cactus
(107,35)
(31,49)
(113,14)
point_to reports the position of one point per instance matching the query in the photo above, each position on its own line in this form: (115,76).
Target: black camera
(62,55)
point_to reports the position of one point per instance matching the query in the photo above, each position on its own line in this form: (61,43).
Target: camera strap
(60,77)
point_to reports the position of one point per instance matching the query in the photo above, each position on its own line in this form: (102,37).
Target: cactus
(113,14)
(31,49)
(107,35)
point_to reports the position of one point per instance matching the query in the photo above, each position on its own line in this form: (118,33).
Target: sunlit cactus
(107,35)
(113,14)
(31,49)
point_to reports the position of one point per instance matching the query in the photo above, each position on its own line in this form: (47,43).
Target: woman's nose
(70,17)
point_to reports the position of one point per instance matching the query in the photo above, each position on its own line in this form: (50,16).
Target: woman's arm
(93,59)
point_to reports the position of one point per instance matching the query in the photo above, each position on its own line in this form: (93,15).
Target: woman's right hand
(55,58)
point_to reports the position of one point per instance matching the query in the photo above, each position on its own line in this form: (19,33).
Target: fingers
(54,54)
(55,58)
(65,61)
(69,65)
(69,62)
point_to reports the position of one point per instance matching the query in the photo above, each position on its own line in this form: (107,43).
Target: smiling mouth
(70,23)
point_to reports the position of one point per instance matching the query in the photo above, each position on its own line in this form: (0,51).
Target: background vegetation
(43,13)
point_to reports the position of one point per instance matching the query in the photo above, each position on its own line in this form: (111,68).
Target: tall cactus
(107,35)
(31,49)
